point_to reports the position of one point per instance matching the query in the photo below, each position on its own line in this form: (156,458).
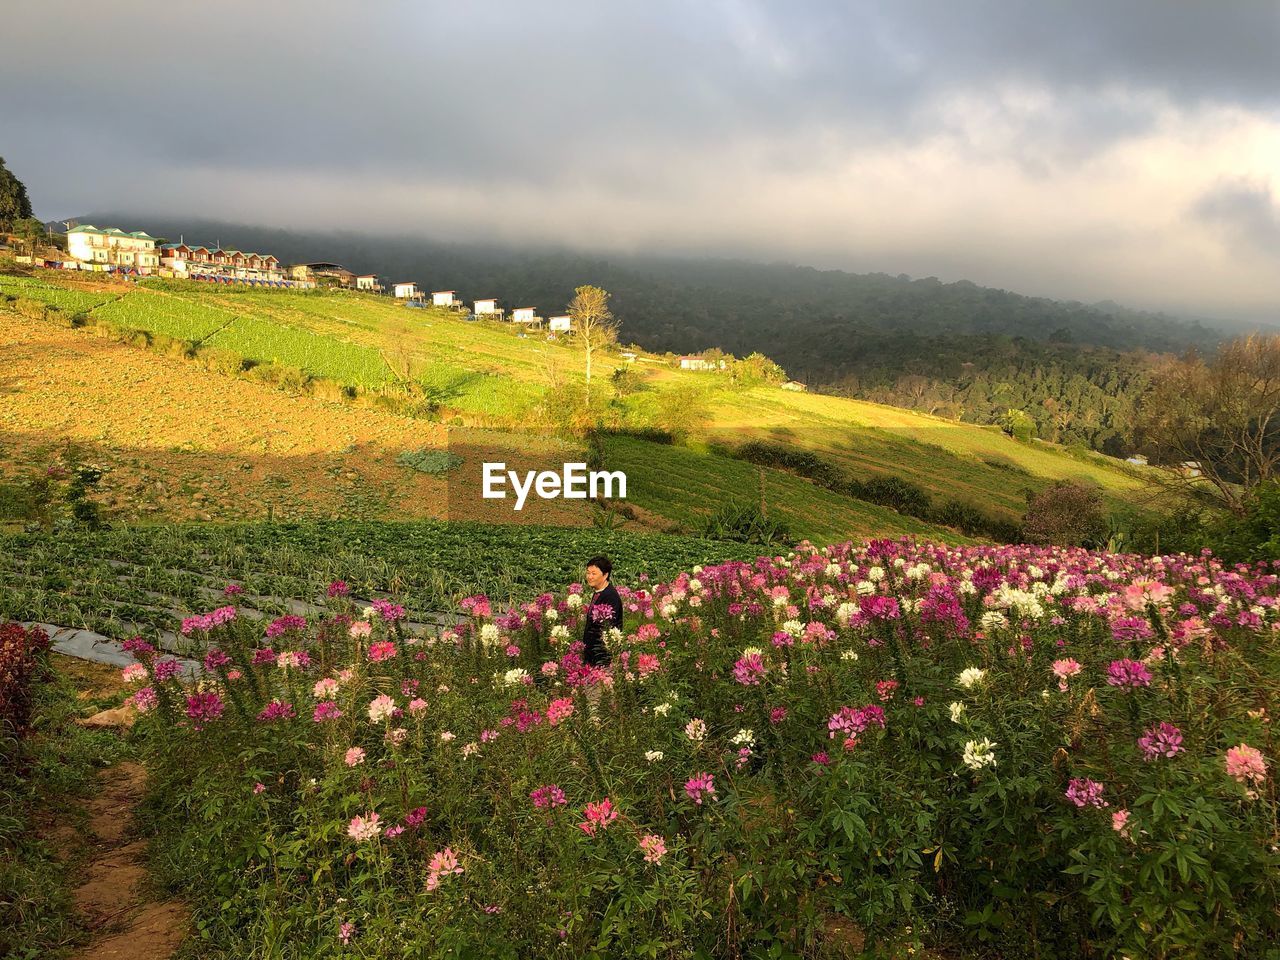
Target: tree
(1223,417)
(1065,514)
(594,326)
(14,203)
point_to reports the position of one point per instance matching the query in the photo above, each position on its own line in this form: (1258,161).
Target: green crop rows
(170,316)
(68,301)
(320,356)
(132,579)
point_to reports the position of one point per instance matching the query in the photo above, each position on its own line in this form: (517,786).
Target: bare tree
(594,326)
(1223,416)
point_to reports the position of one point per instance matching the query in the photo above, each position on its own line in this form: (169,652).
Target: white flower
(668,610)
(697,570)
(846,612)
(745,736)
(696,730)
(551,614)
(957,711)
(875,574)
(993,620)
(573,601)
(613,637)
(849,655)
(470,749)
(489,635)
(833,570)
(781,600)
(751,651)
(970,676)
(695,585)
(662,709)
(446,736)
(979,754)
(514,676)
(967,587)
(866,588)
(653,755)
(794,627)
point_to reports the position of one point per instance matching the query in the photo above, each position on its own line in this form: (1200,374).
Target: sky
(1076,149)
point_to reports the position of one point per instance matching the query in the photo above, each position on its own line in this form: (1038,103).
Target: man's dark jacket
(596,653)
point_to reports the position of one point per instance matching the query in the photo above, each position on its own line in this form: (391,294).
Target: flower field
(890,749)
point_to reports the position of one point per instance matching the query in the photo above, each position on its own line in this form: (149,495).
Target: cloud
(1247,214)
(1049,148)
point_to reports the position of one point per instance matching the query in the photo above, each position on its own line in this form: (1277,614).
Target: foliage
(1255,535)
(1065,514)
(22,660)
(745,523)
(998,751)
(1222,416)
(15,205)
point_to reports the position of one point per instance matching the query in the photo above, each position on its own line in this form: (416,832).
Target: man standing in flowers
(603,613)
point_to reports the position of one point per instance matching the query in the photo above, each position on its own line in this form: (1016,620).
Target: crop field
(68,299)
(267,342)
(160,313)
(131,580)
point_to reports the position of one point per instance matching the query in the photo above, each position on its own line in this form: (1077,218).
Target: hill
(477,388)
(957,349)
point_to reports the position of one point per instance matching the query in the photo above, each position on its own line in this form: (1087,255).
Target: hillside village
(137,254)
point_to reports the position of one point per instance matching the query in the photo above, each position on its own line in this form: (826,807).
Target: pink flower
(382,650)
(133,673)
(749,669)
(361,628)
(1085,793)
(1164,740)
(1120,823)
(443,863)
(291,659)
(654,847)
(345,931)
(599,816)
(354,756)
(325,689)
(388,611)
(700,785)
(777,714)
(550,668)
(232,590)
(203,707)
(1246,763)
(144,700)
(258,788)
(1062,669)
(214,659)
(559,710)
(338,588)
(282,625)
(417,706)
(885,690)
(364,828)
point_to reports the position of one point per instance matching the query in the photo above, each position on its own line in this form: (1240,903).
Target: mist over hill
(956,349)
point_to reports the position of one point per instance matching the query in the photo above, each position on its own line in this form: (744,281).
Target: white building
(370,282)
(560,324)
(525,315)
(444,298)
(113,247)
(407,291)
(691,362)
(795,385)
(487,308)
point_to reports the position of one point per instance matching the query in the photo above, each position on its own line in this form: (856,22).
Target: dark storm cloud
(402,114)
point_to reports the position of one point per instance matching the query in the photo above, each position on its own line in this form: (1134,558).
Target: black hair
(603,564)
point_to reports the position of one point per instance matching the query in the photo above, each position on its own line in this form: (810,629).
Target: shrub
(23,655)
(1065,514)
(744,523)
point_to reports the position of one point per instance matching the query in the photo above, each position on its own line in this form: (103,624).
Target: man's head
(598,572)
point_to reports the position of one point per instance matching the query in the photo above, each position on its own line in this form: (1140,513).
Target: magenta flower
(1085,793)
(282,625)
(276,710)
(547,796)
(599,816)
(203,708)
(166,669)
(749,669)
(700,785)
(339,588)
(1163,740)
(559,710)
(214,659)
(1128,673)
(381,650)
(326,710)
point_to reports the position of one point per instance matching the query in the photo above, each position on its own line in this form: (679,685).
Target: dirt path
(113,897)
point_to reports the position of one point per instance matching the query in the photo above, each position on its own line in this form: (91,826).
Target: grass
(158,313)
(265,342)
(67,299)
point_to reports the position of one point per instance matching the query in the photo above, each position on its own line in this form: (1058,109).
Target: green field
(68,300)
(493,376)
